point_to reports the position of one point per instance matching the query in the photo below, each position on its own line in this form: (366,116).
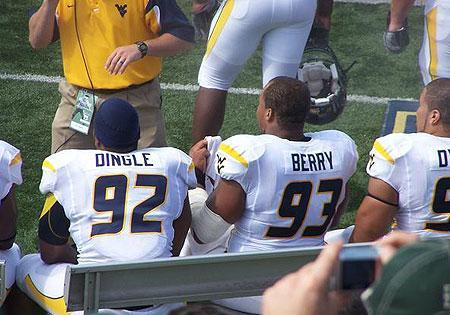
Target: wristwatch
(142,47)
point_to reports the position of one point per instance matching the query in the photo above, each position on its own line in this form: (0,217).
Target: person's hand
(305,291)
(199,154)
(121,57)
(388,245)
(200,5)
(203,13)
(396,36)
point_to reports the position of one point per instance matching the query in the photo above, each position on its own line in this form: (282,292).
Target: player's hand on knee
(199,154)
(121,57)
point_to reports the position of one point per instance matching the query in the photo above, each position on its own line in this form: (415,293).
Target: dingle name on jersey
(111,159)
(444,158)
(312,162)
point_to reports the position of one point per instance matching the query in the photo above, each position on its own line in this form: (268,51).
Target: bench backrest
(178,279)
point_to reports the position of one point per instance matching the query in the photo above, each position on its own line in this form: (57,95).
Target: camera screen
(357,274)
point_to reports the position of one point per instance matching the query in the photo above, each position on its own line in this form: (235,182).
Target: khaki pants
(146,99)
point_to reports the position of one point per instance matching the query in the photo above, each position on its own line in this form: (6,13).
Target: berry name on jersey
(312,162)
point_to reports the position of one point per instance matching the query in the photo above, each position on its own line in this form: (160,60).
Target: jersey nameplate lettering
(443,157)
(319,162)
(106,159)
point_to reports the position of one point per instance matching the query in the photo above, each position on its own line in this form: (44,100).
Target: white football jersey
(417,166)
(10,168)
(434,56)
(120,206)
(292,188)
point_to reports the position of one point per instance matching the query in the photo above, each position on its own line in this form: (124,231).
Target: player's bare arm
(227,200)
(8,220)
(54,234)
(52,254)
(42,25)
(376,212)
(181,228)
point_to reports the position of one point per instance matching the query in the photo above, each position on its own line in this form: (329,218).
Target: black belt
(128,88)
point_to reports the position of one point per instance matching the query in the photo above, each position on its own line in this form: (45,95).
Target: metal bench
(179,279)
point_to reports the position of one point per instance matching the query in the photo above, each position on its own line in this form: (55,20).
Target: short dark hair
(290,100)
(437,96)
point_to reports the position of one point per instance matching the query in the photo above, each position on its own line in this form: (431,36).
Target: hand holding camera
(308,291)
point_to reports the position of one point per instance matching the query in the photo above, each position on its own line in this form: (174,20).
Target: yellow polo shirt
(90,30)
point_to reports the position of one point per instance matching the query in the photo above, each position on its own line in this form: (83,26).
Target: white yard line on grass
(193,88)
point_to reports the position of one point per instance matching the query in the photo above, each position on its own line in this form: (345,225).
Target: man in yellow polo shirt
(110,48)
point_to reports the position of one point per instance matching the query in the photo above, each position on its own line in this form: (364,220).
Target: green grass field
(27,108)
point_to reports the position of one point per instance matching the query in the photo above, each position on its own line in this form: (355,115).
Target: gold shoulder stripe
(53,305)
(49,202)
(48,165)
(233,153)
(379,148)
(17,159)
(191,167)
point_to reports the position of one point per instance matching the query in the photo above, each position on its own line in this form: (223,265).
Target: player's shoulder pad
(9,154)
(243,149)
(171,155)
(236,155)
(60,159)
(393,146)
(174,157)
(51,166)
(187,167)
(10,163)
(335,136)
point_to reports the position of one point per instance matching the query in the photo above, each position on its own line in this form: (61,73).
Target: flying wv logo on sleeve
(371,160)
(122,9)
(220,162)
